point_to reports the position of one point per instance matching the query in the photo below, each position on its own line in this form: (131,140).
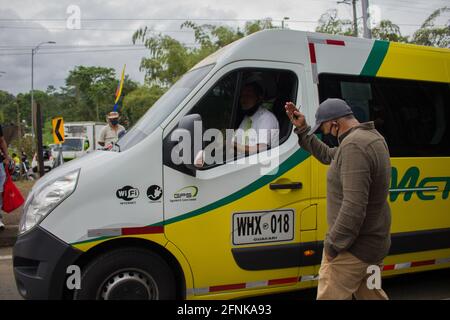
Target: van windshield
(72,145)
(163,107)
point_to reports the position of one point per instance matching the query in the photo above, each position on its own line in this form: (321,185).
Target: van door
(237,220)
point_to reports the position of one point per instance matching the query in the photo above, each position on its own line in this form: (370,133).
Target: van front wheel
(127,274)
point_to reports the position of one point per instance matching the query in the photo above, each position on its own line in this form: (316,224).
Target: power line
(56,47)
(90,29)
(146,19)
(88,51)
(157,31)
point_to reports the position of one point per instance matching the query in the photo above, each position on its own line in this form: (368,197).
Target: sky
(105,34)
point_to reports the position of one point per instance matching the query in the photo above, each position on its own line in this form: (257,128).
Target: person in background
(16,159)
(4,157)
(112,131)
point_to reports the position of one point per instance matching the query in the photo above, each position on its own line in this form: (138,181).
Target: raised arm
(310,143)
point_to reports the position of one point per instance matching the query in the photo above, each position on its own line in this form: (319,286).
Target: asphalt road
(429,285)
(8,290)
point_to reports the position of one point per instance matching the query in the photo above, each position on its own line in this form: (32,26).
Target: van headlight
(47,198)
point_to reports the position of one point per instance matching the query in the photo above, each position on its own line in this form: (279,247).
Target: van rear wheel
(127,274)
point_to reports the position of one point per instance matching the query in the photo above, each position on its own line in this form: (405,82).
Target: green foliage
(169,59)
(7,106)
(137,102)
(428,34)
(330,23)
(24,144)
(92,91)
(386,30)
(431,35)
(87,96)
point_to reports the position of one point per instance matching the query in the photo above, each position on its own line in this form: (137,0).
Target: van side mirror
(187,139)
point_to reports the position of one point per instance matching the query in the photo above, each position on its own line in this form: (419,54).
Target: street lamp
(33,52)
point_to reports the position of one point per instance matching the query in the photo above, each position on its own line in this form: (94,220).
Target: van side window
(248,99)
(216,107)
(413,116)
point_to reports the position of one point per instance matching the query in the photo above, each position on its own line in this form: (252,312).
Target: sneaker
(2,225)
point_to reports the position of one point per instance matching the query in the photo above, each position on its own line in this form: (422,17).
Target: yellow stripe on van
(406,61)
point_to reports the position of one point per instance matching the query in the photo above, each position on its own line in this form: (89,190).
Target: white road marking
(6,257)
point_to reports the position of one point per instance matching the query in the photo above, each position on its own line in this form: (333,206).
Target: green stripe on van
(375,58)
(295,159)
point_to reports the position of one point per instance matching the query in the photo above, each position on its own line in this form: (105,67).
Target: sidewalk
(11,220)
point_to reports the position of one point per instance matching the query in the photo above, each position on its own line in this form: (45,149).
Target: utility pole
(33,52)
(366,17)
(19,131)
(40,156)
(355,19)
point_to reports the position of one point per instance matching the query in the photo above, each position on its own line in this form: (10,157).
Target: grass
(24,186)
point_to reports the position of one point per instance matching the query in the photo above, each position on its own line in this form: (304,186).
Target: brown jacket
(358,214)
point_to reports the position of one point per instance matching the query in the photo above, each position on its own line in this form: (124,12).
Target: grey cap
(331,109)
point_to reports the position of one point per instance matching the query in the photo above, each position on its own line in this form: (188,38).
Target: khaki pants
(346,276)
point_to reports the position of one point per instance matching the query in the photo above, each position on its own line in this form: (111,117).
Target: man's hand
(297,118)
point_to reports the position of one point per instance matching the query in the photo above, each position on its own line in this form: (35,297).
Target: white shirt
(108,135)
(260,128)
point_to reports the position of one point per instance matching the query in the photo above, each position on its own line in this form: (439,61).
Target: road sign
(58,130)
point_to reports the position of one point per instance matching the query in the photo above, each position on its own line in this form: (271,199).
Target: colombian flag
(119,90)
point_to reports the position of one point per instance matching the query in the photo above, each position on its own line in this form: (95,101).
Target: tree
(387,30)
(138,101)
(329,23)
(169,59)
(90,86)
(431,35)
(92,90)
(8,108)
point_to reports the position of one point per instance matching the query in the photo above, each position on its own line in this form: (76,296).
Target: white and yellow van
(141,225)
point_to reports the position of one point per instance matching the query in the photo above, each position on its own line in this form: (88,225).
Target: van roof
(285,45)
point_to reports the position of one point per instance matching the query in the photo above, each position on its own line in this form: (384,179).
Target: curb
(8,236)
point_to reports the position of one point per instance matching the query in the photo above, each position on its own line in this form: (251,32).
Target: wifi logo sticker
(127,193)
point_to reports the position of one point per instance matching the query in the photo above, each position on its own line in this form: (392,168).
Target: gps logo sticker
(185,194)
(127,193)
(154,192)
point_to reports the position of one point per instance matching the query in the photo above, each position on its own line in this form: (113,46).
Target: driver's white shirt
(260,128)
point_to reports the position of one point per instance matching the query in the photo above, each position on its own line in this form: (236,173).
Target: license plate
(263,226)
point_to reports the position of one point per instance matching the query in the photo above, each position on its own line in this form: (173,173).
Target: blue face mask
(114,121)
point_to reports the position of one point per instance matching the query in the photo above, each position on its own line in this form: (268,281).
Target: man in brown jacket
(358,213)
